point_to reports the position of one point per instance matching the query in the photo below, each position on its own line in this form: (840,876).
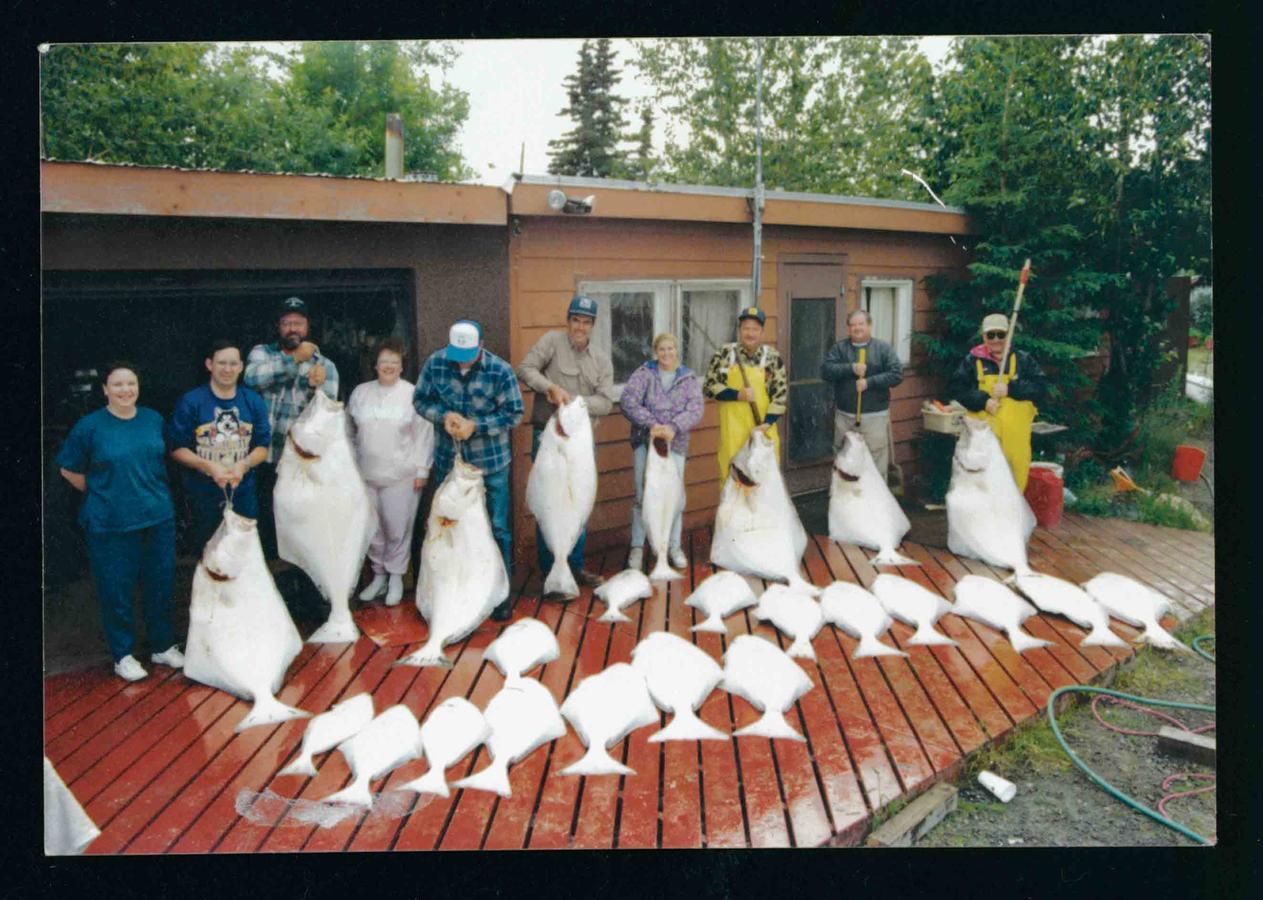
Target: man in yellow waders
(1007,401)
(741,373)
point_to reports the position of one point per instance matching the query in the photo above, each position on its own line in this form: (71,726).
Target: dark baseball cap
(292,305)
(752,312)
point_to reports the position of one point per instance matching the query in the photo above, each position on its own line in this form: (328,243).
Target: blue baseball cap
(291,305)
(752,312)
(463,340)
(582,306)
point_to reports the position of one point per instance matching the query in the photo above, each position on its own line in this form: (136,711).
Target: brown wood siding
(550,255)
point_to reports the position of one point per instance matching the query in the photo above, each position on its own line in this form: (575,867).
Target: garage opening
(164,320)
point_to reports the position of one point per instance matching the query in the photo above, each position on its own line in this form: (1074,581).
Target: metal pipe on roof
(394,146)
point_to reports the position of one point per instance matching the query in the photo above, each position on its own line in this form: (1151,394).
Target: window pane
(811,335)
(880,303)
(630,330)
(708,321)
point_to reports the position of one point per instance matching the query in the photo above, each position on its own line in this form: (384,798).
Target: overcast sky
(516,96)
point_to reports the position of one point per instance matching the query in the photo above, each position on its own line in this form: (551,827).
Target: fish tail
(662,570)
(713,624)
(891,557)
(1159,637)
(686,726)
(772,725)
(597,762)
(301,766)
(560,579)
(870,646)
(432,782)
(268,710)
(339,630)
(801,647)
(1102,636)
(613,614)
(1022,641)
(431,654)
(494,778)
(926,634)
(354,794)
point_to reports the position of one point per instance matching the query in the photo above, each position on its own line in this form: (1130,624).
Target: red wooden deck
(159,769)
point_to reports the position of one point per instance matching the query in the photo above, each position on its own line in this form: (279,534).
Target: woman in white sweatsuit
(395,449)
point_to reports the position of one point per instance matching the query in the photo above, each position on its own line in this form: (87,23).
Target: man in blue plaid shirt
(287,374)
(471,395)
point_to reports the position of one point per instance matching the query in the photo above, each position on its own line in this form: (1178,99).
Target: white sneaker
(375,587)
(170,657)
(677,558)
(636,558)
(129,670)
(395,593)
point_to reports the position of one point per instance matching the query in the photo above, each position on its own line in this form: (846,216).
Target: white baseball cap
(463,341)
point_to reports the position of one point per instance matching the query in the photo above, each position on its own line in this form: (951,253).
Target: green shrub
(1094,500)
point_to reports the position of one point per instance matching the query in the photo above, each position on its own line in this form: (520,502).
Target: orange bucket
(1188,462)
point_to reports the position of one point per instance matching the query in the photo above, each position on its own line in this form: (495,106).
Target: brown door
(811,292)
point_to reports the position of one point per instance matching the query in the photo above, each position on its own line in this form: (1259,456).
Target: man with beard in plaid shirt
(471,395)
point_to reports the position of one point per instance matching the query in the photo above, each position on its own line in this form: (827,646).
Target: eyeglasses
(995,335)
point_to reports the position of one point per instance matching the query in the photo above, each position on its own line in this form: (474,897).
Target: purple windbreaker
(645,403)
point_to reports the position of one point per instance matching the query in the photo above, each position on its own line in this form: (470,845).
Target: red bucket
(1045,494)
(1188,462)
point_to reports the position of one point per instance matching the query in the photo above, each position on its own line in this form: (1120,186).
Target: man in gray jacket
(864,385)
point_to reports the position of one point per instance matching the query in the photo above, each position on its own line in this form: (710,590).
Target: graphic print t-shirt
(219,430)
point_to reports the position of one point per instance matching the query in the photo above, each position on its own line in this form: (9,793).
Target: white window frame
(903,311)
(668,303)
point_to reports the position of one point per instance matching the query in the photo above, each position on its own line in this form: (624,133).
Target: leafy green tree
(591,147)
(840,115)
(319,109)
(641,163)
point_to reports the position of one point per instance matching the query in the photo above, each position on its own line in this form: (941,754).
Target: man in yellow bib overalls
(747,371)
(1006,400)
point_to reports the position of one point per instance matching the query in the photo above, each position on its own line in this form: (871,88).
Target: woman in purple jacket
(663,398)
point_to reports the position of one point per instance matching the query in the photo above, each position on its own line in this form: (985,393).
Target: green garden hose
(1101,782)
(1198,641)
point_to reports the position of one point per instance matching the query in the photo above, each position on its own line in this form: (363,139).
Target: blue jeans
(639,456)
(206,511)
(498,496)
(575,559)
(121,558)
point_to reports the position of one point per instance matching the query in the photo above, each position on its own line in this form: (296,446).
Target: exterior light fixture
(559,202)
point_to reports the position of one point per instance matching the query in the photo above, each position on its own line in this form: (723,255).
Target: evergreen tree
(591,148)
(640,167)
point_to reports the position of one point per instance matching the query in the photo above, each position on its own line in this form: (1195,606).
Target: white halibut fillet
(329,729)
(561,489)
(991,603)
(1136,604)
(241,638)
(604,709)
(769,680)
(862,510)
(622,590)
(987,516)
(859,614)
(522,717)
(462,577)
(324,514)
(680,677)
(662,498)
(757,529)
(1064,598)
(794,613)
(912,605)
(522,646)
(448,735)
(718,596)
(387,742)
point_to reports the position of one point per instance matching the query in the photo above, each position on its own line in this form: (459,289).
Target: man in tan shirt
(562,365)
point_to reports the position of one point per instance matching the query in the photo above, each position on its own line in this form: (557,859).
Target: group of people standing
(229,436)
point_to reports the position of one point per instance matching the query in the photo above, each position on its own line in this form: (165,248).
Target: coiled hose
(1097,779)
(1197,645)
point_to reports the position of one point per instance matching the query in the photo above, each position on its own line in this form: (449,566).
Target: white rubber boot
(395,592)
(375,587)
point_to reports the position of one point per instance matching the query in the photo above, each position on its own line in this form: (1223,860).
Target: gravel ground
(1058,806)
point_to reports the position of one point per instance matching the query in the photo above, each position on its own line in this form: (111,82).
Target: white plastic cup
(1003,789)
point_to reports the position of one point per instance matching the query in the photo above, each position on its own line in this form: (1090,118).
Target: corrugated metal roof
(709,190)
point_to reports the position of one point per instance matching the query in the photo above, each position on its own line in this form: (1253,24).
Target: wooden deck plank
(722,797)
(640,809)
(1112,554)
(1194,550)
(101,693)
(89,687)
